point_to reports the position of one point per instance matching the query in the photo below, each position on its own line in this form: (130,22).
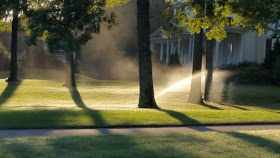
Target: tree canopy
(24,8)
(69,24)
(112,3)
(66,25)
(214,15)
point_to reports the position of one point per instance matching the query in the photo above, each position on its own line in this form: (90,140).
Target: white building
(239,46)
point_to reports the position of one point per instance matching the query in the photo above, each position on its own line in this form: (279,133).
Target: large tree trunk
(195,92)
(70,76)
(14,65)
(146,97)
(210,9)
(209,68)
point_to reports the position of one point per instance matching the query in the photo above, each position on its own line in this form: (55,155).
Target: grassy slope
(35,103)
(208,144)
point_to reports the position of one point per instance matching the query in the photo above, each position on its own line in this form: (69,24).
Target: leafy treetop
(25,8)
(214,15)
(112,3)
(68,24)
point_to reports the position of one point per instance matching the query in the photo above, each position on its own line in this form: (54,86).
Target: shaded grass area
(102,118)
(8,91)
(252,95)
(35,103)
(208,144)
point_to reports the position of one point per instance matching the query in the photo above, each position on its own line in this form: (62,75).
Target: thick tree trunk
(146,97)
(195,92)
(70,76)
(14,65)
(209,68)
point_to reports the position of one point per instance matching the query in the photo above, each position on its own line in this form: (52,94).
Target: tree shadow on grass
(211,106)
(227,98)
(8,91)
(17,149)
(251,95)
(233,106)
(223,95)
(185,120)
(258,141)
(93,114)
(109,146)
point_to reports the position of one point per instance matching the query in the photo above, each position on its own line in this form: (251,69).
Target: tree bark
(14,65)
(195,92)
(209,68)
(70,76)
(146,96)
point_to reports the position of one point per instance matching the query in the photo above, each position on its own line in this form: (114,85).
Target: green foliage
(5,26)
(5,15)
(42,60)
(112,3)
(157,8)
(272,55)
(67,25)
(271,62)
(276,71)
(257,13)
(4,58)
(25,7)
(249,73)
(255,74)
(172,25)
(174,60)
(215,15)
(236,67)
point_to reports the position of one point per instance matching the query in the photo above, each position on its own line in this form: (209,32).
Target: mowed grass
(38,103)
(206,144)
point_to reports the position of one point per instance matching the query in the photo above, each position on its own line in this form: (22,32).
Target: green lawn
(208,144)
(38,103)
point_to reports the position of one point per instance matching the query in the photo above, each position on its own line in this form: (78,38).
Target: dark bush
(174,60)
(237,67)
(4,58)
(276,71)
(272,55)
(42,60)
(249,73)
(254,74)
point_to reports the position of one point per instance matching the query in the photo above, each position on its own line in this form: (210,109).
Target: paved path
(106,131)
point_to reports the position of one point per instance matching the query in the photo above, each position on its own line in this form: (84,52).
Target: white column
(172,47)
(241,49)
(216,58)
(182,54)
(179,51)
(179,47)
(161,51)
(74,55)
(175,12)
(167,52)
(152,47)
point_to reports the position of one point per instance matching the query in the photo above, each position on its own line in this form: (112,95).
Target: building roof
(157,34)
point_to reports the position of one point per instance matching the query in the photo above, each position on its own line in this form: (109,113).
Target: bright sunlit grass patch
(207,144)
(37,103)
